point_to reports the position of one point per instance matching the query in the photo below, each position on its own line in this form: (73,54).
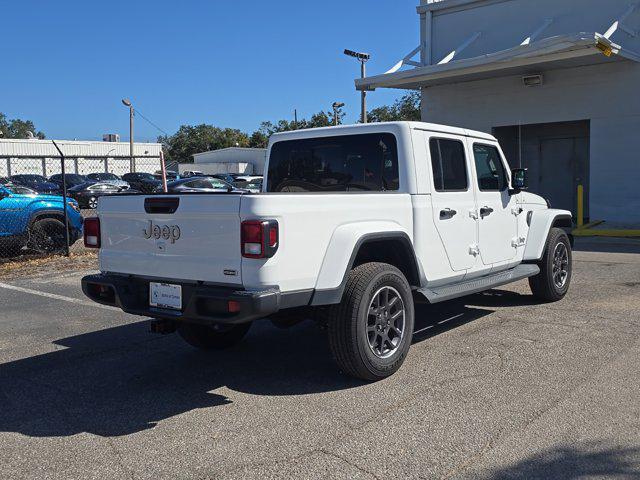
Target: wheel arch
(45,213)
(347,250)
(542,221)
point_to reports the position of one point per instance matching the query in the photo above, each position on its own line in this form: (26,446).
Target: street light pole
(363,93)
(363,58)
(127,103)
(336,106)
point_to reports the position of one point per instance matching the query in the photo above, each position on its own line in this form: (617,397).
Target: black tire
(349,325)
(551,284)
(216,337)
(47,235)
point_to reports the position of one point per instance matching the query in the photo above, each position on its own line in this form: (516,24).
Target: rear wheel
(47,236)
(370,330)
(214,337)
(552,283)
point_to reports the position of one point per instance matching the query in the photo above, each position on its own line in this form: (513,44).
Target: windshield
(19,190)
(104,176)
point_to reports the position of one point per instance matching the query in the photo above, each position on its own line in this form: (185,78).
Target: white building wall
(607,95)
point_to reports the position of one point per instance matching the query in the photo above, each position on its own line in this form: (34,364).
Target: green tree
(201,138)
(18,128)
(405,108)
(260,138)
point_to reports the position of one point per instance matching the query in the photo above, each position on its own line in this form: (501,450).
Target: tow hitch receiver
(163,327)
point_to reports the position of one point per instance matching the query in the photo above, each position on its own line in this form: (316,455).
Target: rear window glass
(367,162)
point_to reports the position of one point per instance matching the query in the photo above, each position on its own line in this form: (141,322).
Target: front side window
(366,162)
(449,165)
(490,169)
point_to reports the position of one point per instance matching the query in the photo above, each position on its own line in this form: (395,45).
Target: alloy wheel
(385,322)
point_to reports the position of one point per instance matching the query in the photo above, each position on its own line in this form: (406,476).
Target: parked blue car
(35,221)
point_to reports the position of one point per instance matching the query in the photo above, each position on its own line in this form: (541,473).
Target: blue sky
(67,64)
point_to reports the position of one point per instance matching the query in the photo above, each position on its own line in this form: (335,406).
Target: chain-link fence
(34,218)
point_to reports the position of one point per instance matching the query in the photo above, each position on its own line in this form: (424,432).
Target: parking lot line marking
(56,297)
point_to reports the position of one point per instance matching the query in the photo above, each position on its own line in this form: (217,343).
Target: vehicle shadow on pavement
(123,380)
(586,460)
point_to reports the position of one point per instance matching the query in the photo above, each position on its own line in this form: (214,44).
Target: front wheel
(47,236)
(552,283)
(370,330)
(214,337)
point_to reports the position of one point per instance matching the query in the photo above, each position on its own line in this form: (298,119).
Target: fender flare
(342,251)
(541,222)
(48,212)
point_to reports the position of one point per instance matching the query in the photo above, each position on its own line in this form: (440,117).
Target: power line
(150,122)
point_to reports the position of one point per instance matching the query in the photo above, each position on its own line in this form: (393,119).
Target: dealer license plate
(165,295)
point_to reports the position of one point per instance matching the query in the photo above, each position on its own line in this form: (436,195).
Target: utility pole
(363,58)
(336,106)
(363,93)
(295,119)
(132,165)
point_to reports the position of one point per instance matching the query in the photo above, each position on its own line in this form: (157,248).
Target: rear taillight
(92,232)
(259,238)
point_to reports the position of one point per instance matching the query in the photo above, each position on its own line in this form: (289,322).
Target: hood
(41,197)
(532,199)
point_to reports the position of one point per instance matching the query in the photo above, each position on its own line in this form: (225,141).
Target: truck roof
(379,127)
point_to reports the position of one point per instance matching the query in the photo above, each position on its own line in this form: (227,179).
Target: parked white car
(354,225)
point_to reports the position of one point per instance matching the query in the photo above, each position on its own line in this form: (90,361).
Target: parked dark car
(87,194)
(72,179)
(36,182)
(144,182)
(227,177)
(171,175)
(108,177)
(198,184)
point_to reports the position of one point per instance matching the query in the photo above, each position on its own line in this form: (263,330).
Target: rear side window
(491,172)
(367,162)
(449,165)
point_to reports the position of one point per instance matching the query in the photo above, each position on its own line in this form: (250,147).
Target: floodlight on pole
(127,103)
(363,58)
(336,106)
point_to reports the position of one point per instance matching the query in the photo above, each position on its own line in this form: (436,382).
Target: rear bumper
(202,303)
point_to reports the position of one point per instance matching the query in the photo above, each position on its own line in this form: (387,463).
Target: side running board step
(468,287)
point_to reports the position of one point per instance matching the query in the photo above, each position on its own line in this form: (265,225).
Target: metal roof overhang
(563,51)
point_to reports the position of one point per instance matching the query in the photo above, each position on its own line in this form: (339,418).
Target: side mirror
(519,179)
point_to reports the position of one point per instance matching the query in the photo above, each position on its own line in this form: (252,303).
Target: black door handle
(447,213)
(484,211)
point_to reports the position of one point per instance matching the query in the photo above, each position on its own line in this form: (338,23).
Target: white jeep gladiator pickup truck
(353,225)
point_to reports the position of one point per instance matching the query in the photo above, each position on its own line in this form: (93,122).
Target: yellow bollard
(580,221)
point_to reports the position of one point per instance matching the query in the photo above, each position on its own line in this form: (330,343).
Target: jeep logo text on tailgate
(162,231)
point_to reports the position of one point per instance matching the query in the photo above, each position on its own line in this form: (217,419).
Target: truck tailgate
(186,237)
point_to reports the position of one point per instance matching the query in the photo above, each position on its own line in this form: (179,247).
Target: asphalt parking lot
(495,386)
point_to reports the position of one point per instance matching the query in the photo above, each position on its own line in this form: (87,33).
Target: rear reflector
(92,232)
(233,306)
(259,238)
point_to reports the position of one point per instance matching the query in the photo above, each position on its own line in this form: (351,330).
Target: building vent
(110,137)
(533,80)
